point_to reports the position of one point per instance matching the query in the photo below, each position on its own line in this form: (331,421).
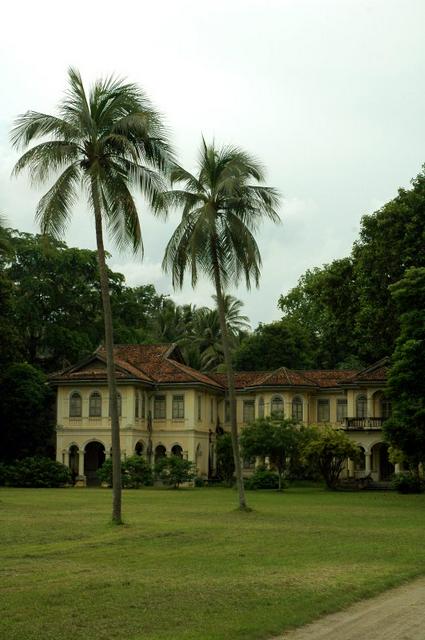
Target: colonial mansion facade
(166,407)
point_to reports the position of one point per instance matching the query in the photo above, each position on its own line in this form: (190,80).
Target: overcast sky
(328,94)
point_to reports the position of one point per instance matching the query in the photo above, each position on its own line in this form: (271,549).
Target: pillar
(368,466)
(66,458)
(350,465)
(80,480)
(397,467)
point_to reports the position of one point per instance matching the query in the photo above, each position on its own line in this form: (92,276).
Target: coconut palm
(104,142)
(236,322)
(222,207)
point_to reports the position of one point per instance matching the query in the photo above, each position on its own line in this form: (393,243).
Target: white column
(81,462)
(66,458)
(350,466)
(368,466)
(397,467)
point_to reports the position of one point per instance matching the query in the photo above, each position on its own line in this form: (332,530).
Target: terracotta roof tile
(328,377)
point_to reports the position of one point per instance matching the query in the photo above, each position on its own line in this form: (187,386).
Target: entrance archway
(160,452)
(93,459)
(381,462)
(177,451)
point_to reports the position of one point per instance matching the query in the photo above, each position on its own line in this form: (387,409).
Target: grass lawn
(188,566)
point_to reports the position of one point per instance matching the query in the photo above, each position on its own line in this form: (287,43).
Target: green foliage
(225,458)
(173,471)
(328,449)
(26,421)
(135,473)
(405,429)
(409,482)
(346,307)
(263,478)
(285,343)
(275,438)
(35,472)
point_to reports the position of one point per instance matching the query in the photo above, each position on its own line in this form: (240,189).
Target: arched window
(261,408)
(385,408)
(75,405)
(277,406)
(361,407)
(95,405)
(139,448)
(297,409)
(177,451)
(160,452)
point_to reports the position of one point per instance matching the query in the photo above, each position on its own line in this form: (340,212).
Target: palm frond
(53,208)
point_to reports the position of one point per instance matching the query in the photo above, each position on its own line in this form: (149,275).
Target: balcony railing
(364,423)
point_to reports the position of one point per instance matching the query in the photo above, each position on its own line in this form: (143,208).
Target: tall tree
(106,142)
(222,207)
(405,430)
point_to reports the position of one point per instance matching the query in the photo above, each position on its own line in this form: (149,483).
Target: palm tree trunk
(232,394)
(109,347)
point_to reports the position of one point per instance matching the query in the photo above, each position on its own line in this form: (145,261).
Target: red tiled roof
(377,372)
(328,377)
(242,378)
(162,363)
(285,377)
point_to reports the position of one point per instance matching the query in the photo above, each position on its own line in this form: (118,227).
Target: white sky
(328,94)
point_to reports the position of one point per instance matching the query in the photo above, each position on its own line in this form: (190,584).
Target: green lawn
(187,565)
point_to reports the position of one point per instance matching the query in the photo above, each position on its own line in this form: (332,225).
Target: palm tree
(104,143)
(222,207)
(236,322)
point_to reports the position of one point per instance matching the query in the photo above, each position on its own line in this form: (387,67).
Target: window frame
(323,403)
(273,402)
(297,403)
(341,402)
(160,400)
(72,413)
(363,412)
(98,396)
(251,404)
(177,406)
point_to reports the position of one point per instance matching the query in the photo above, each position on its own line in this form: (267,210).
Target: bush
(135,473)
(262,479)
(174,470)
(225,459)
(200,482)
(407,483)
(35,472)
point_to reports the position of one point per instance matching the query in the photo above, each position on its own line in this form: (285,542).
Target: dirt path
(398,614)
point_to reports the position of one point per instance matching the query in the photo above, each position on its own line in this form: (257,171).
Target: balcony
(367,424)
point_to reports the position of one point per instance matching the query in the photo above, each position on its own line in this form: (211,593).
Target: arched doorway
(139,448)
(382,466)
(94,457)
(176,450)
(160,452)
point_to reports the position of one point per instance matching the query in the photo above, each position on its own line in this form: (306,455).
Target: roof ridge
(188,369)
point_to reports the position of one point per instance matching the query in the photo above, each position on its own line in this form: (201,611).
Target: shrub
(200,482)
(36,472)
(174,470)
(407,483)
(263,479)
(328,449)
(225,459)
(135,473)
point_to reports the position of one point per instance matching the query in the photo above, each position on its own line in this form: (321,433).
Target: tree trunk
(232,395)
(109,348)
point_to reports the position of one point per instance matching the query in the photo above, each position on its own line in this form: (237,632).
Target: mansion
(166,408)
